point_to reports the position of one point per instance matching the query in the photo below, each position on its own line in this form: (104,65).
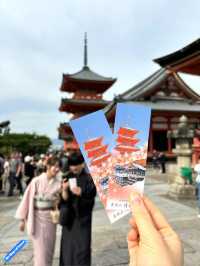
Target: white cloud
(42,39)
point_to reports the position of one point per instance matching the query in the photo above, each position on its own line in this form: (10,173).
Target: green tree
(24,142)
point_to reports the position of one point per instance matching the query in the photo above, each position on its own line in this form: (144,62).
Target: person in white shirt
(197,169)
(5,174)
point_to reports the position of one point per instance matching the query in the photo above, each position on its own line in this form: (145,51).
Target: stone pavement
(109,241)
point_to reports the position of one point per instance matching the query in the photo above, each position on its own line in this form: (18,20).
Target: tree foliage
(24,142)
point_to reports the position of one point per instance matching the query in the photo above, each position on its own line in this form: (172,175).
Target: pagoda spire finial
(85,51)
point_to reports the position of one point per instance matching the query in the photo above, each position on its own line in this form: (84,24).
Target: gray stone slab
(192,260)
(109,245)
(109,257)
(23,257)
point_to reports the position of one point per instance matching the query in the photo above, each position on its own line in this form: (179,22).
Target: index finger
(145,225)
(156,215)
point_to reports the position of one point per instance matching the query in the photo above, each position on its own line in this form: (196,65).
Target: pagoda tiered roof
(74,105)
(86,88)
(186,60)
(87,74)
(86,79)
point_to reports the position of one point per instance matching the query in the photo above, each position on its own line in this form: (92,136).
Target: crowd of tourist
(16,171)
(46,187)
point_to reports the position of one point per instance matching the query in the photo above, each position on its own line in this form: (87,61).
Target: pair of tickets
(116,161)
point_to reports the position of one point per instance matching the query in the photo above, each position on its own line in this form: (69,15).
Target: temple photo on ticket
(94,136)
(129,153)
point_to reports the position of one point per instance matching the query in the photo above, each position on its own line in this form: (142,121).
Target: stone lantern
(183,136)
(4,127)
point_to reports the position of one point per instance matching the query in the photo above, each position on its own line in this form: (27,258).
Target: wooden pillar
(169,139)
(151,139)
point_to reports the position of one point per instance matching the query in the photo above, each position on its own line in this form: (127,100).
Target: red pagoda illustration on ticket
(117,162)
(96,151)
(126,140)
(129,154)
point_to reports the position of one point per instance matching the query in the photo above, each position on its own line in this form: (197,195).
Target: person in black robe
(29,169)
(76,215)
(162,161)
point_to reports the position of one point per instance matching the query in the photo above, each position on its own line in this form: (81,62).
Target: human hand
(76,190)
(22,225)
(151,240)
(65,184)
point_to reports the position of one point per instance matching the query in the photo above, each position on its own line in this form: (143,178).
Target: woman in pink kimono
(34,211)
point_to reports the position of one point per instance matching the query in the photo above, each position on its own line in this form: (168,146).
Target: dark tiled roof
(154,80)
(171,106)
(89,75)
(84,101)
(136,93)
(173,58)
(146,84)
(163,106)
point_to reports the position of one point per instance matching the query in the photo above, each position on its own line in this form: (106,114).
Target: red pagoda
(96,151)
(87,88)
(126,140)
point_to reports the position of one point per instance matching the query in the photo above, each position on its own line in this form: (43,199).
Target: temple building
(186,60)
(164,91)
(86,88)
(168,96)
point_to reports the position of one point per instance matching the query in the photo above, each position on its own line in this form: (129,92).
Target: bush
(25,143)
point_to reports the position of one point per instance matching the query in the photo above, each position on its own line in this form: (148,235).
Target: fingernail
(135,198)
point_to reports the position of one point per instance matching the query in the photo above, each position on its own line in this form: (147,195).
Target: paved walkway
(109,241)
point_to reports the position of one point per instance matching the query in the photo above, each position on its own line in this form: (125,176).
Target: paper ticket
(94,137)
(129,154)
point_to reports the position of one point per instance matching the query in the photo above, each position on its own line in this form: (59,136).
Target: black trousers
(1,183)
(12,183)
(163,168)
(19,183)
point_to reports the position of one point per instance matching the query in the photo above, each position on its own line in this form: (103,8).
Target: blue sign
(14,250)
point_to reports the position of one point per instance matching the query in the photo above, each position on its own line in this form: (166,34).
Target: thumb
(146,228)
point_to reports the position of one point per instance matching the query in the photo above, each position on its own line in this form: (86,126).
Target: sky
(133,116)
(41,40)
(92,126)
